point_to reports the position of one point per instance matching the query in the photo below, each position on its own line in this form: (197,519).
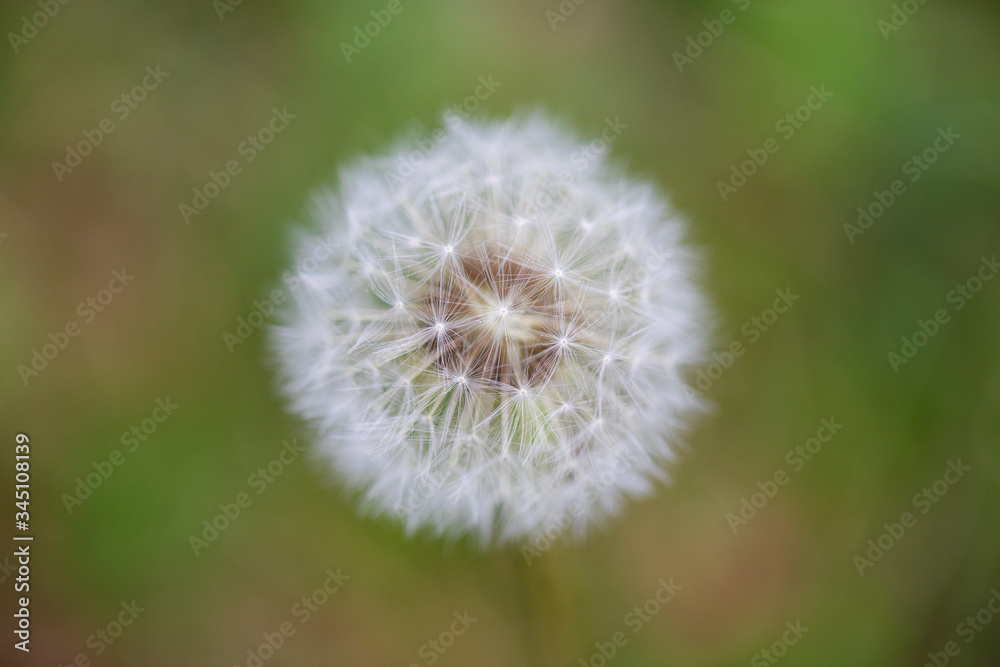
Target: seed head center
(502,311)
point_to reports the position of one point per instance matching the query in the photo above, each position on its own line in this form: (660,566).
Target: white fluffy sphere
(495,337)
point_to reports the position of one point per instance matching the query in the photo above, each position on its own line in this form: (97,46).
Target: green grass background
(784,229)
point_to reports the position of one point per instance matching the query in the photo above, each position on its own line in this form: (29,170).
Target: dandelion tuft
(497,338)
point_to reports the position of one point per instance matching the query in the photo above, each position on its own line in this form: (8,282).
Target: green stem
(546,607)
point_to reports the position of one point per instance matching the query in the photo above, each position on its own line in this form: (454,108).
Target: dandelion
(501,338)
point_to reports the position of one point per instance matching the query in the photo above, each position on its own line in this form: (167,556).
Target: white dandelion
(500,341)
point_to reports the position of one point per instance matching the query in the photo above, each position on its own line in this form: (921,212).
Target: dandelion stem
(546,608)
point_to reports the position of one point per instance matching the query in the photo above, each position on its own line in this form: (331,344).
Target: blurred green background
(162,336)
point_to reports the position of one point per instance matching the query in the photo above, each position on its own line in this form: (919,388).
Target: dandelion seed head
(489,403)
